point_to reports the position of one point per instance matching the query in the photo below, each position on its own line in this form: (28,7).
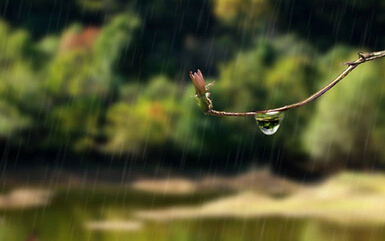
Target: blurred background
(101,138)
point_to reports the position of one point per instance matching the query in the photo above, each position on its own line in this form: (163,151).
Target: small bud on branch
(198,82)
(202,96)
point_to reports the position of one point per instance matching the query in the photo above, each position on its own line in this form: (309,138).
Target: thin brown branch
(363,57)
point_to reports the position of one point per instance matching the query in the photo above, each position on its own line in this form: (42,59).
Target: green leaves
(12,121)
(148,119)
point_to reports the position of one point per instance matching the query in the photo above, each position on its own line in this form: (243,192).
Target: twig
(363,57)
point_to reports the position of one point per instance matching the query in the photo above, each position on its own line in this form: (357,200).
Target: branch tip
(362,56)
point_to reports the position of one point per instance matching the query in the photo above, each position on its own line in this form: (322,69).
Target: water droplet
(269,122)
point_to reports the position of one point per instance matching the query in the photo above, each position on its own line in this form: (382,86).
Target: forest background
(106,81)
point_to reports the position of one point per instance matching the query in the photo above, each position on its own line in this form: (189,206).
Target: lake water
(107,214)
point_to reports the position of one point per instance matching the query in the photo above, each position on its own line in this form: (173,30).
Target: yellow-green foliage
(377,131)
(80,79)
(130,127)
(114,39)
(146,120)
(246,14)
(288,80)
(11,120)
(12,43)
(241,80)
(17,83)
(71,75)
(75,123)
(89,71)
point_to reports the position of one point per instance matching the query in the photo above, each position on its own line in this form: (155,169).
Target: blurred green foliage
(247,15)
(111,77)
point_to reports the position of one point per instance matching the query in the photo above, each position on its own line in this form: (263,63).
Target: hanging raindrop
(269,122)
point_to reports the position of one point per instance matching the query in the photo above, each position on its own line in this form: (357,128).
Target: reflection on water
(110,215)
